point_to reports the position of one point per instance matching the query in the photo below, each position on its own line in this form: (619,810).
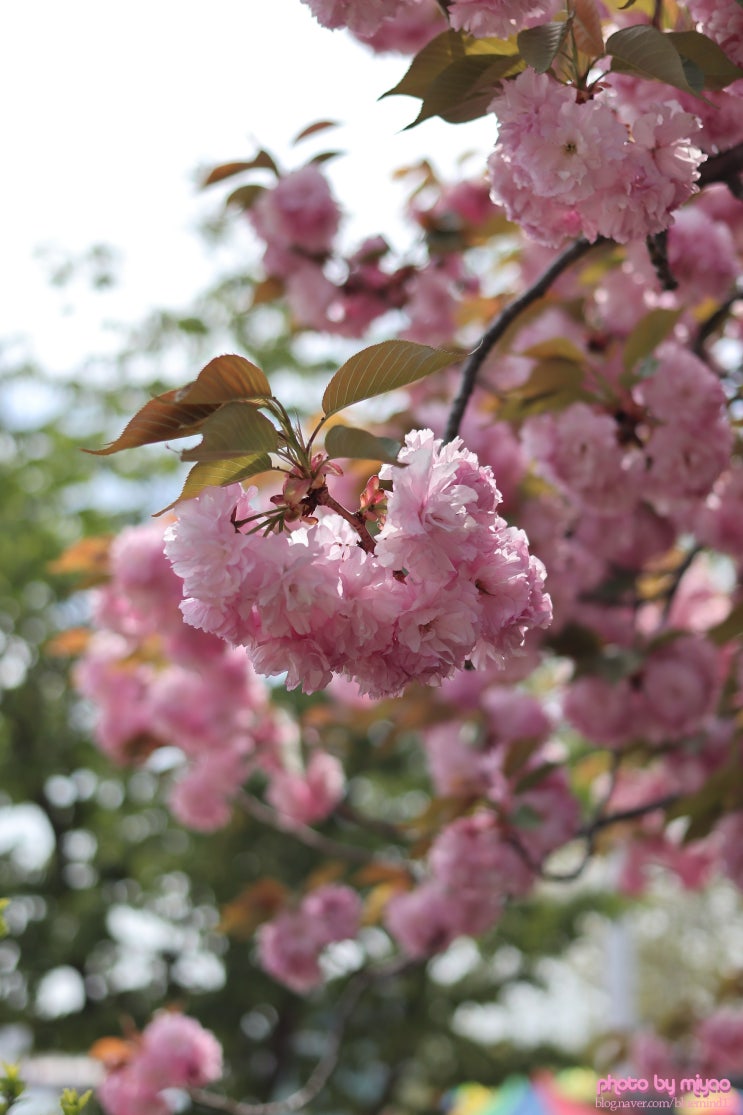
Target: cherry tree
(531,565)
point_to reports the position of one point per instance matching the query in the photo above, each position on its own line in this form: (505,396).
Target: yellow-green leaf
(380,368)
(653,328)
(217,474)
(717,69)
(360,445)
(539,46)
(643,50)
(231,432)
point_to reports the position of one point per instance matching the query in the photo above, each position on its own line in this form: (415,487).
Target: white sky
(109,109)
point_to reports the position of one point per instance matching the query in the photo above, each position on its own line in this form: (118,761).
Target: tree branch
(725,167)
(327,1063)
(310,837)
(494,333)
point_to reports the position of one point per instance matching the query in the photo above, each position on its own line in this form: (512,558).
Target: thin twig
(327,1063)
(310,837)
(712,323)
(494,333)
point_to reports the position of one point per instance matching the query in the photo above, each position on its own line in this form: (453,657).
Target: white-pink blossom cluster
(667,697)
(448,581)
(666,442)
(500,18)
(154,681)
(173,1051)
(384,25)
(290,944)
(563,168)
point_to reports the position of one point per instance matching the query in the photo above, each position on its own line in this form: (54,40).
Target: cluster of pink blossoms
(449,582)
(562,168)
(155,681)
(384,25)
(477,862)
(173,1051)
(290,944)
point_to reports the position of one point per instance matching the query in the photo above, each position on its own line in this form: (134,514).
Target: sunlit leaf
(223,379)
(360,445)
(538,46)
(587,28)
(231,432)
(649,332)
(262,161)
(209,474)
(380,368)
(645,51)
(715,66)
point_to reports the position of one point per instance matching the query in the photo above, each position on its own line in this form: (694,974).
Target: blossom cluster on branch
(542,576)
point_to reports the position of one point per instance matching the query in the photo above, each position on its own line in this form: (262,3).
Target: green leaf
(645,51)
(553,385)
(464,90)
(360,445)
(380,368)
(428,64)
(181,412)
(231,432)
(539,46)
(649,332)
(716,68)
(728,629)
(4,902)
(227,170)
(217,474)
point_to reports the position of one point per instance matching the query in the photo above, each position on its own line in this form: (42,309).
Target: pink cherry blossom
(500,18)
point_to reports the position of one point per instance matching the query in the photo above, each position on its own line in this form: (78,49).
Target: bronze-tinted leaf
(244,197)
(587,28)
(313,129)
(428,63)
(232,431)
(223,379)
(262,161)
(380,368)
(161,419)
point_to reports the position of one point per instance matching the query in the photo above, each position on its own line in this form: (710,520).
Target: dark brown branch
(506,318)
(715,320)
(725,167)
